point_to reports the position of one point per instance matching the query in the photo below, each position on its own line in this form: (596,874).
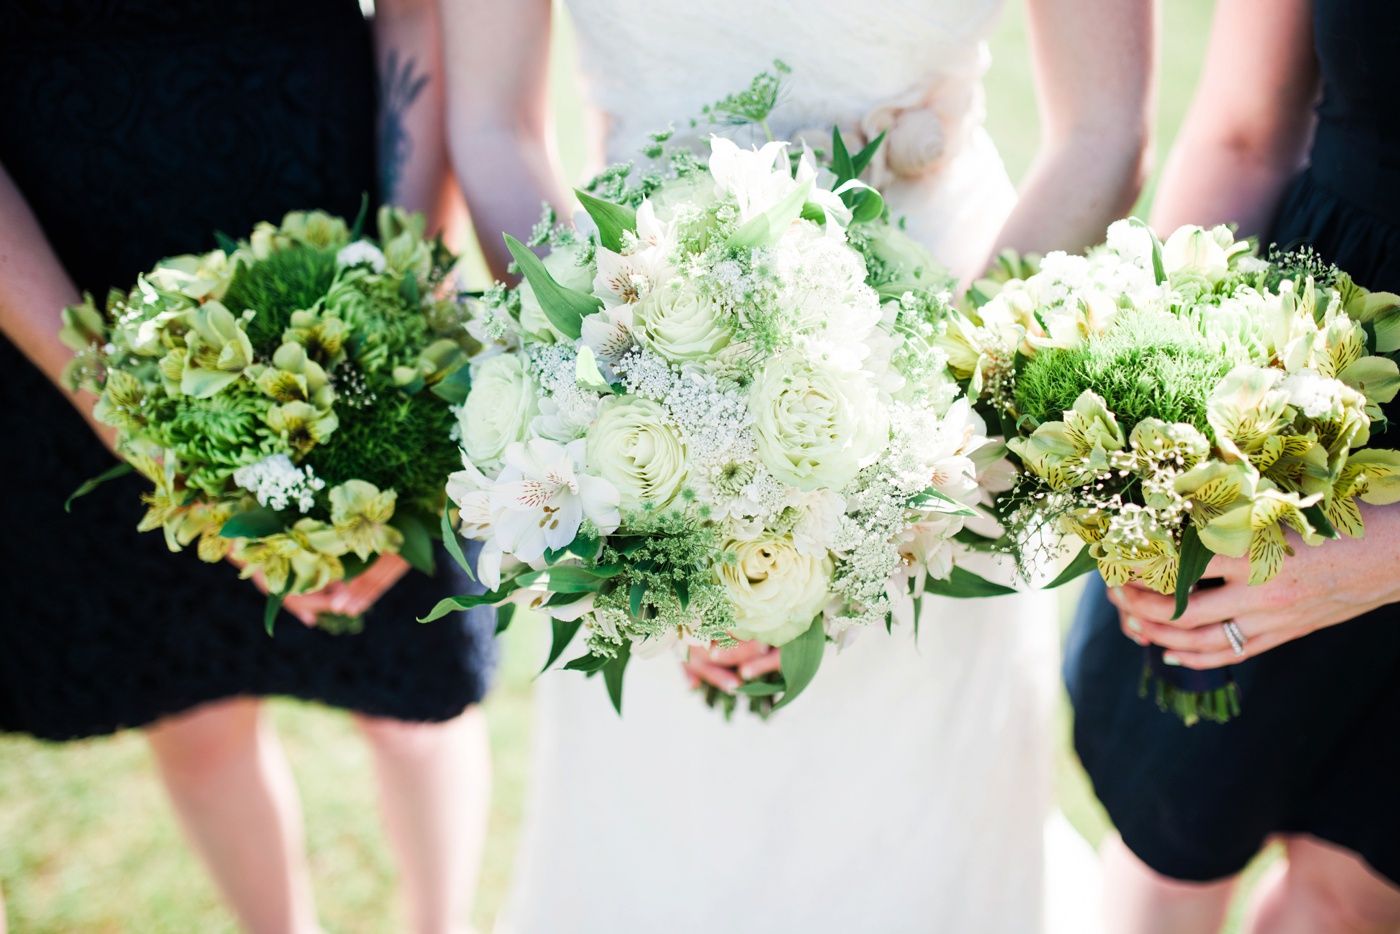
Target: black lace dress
(1315,749)
(136,128)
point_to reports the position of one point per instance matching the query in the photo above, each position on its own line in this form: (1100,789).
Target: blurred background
(88,842)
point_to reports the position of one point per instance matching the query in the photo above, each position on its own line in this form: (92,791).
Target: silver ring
(1237,638)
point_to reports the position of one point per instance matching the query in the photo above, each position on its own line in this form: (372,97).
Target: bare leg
(435,788)
(1138,900)
(3,926)
(1325,887)
(233,791)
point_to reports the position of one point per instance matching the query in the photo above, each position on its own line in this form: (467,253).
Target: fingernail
(1133,623)
(1171,659)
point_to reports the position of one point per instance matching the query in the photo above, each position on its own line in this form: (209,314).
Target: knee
(197,745)
(1342,892)
(407,741)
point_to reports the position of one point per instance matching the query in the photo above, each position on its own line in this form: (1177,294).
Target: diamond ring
(1237,638)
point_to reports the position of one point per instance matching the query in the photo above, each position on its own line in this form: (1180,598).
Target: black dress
(1316,749)
(135,129)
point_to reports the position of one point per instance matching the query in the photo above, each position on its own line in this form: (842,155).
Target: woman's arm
(1250,123)
(1095,66)
(414,170)
(500,129)
(34,287)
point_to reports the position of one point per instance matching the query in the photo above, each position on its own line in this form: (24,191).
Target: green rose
(498,410)
(682,325)
(633,448)
(776,590)
(817,426)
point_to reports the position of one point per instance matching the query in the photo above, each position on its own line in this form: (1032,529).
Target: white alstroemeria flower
(927,545)
(752,176)
(623,279)
(470,489)
(542,495)
(838,216)
(609,332)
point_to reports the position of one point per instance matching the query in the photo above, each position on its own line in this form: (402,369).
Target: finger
(1204,608)
(723,678)
(1199,639)
(1126,627)
(768,662)
(1202,661)
(690,678)
(302,608)
(738,654)
(1231,569)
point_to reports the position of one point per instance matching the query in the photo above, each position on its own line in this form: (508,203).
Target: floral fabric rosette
(1169,402)
(721,415)
(290,396)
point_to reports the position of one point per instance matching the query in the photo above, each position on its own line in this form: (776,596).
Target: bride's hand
(344,598)
(728,668)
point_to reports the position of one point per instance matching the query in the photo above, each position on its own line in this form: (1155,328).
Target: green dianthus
(285,281)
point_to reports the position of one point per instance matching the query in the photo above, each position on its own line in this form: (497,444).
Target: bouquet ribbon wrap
(1193,695)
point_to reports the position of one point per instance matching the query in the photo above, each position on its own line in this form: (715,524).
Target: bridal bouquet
(290,396)
(1169,402)
(721,415)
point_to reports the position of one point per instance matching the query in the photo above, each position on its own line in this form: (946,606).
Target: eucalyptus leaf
(254,523)
(800,660)
(564,307)
(613,672)
(964,584)
(613,220)
(111,473)
(1195,557)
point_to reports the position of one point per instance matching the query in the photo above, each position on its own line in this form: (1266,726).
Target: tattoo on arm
(400,85)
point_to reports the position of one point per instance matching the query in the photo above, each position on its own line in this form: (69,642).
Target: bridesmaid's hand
(346,598)
(1318,587)
(728,668)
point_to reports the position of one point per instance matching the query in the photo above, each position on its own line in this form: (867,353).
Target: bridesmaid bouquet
(290,396)
(1170,402)
(720,415)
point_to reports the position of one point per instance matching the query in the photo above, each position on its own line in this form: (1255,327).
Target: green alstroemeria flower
(1214,487)
(294,377)
(1135,550)
(1381,469)
(1076,450)
(401,233)
(83,326)
(323,335)
(1253,527)
(361,514)
(178,513)
(308,554)
(1088,523)
(301,425)
(436,361)
(1155,444)
(1246,409)
(121,402)
(201,277)
(218,351)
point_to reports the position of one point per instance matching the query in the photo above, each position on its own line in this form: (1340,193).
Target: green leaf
(841,163)
(225,242)
(868,206)
(767,228)
(572,579)
(1320,523)
(861,160)
(587,663)
(564,632)
(612,675)
(255,523)
(353,566)
(466,602)
(800,660)
(761,688)
(408,290)
(1158,269)
(417,547)
(504,614)
(453,544)
(1082,564)
(940,502)
(682,590)
(111,473)
(274,603)
(634,599)
(1195,556)
(613,220)
(966,585)
(454,387)
(357,228)
(814,213)
(564,307)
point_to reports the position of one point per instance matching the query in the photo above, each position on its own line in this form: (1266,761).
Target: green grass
(87,840)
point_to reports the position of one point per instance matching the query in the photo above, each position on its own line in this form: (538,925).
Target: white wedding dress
(908,789)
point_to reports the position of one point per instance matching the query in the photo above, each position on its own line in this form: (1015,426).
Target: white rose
(776,590)
(681,324)
(817,426)
(633,448)
(562,263)
(498,410)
